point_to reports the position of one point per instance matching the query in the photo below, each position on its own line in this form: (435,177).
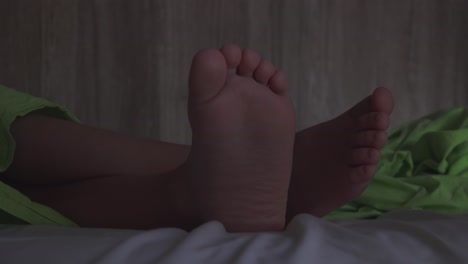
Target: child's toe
(382,100)
(362,174)
(364,156)
(279,82)
(264,72)
(370,138)
(373,120)
(233,55)
(250,61)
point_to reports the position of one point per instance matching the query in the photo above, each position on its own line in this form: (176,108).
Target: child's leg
(120,201)
(52,150)
(97,177)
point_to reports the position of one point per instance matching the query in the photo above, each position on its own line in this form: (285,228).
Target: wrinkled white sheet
(398,237)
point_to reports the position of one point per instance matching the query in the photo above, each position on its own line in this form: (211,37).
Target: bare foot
(335,161)
(243,127)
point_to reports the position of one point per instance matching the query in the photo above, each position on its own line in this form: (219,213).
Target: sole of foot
(243,128)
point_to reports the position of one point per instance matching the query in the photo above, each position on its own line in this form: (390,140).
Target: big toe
(207,75)
(381,100)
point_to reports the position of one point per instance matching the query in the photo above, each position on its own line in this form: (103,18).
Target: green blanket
(424,167)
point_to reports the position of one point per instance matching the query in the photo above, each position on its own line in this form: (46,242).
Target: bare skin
(335,161)
(242,139)
(61,151)
(136,168)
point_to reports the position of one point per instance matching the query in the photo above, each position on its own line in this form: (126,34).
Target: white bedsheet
(398,237)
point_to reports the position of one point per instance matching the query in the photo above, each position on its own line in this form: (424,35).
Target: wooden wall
(123,64)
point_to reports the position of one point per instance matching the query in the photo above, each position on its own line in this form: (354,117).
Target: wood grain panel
(124,65)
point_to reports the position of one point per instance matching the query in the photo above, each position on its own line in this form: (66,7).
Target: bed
(408,236)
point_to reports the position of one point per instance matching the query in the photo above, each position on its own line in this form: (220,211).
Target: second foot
(335,161)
